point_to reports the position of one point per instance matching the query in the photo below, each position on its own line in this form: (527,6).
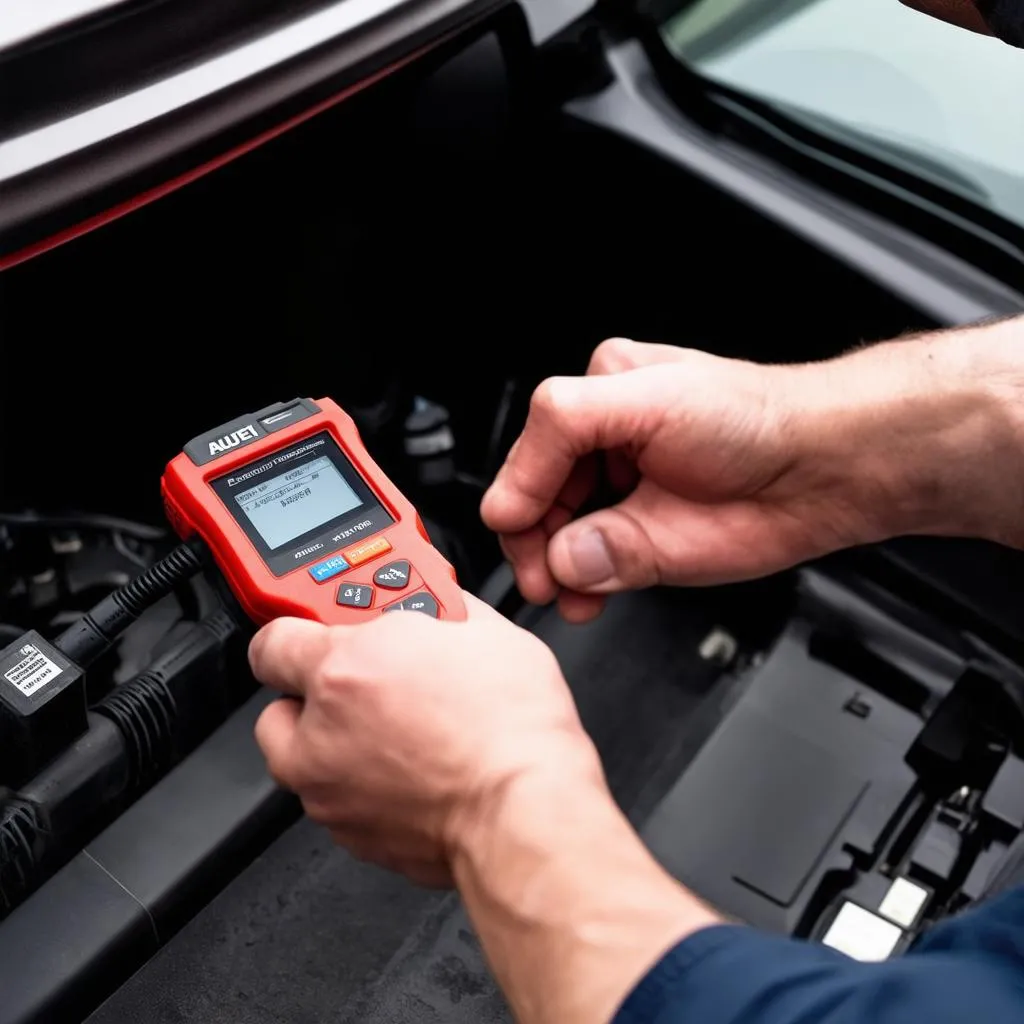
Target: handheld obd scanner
(301,521)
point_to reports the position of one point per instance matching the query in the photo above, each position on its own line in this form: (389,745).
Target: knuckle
(330,678)
(275,639)
(612,355)
(545,398)
(346,675)
(334,669)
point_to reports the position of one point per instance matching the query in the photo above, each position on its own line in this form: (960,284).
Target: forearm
(917,436)
(571,908)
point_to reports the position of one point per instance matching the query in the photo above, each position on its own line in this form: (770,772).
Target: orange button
(364,552)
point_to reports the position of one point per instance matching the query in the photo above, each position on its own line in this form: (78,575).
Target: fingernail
(590,558)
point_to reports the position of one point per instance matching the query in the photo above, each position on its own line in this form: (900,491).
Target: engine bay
(835,753)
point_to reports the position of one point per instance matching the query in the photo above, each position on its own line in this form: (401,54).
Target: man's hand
(451,751)
(730,470)
(405,732)
(703,451)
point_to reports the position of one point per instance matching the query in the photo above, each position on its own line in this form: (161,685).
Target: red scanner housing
(301,521)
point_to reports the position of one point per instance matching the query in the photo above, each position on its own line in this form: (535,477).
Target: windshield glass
(942,102)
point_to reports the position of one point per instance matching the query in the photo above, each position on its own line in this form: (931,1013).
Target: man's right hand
(729,470)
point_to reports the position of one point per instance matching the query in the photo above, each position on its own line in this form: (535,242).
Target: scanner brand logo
(233,440)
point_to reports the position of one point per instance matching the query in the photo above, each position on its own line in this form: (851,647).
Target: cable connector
(42,706)
(96,631)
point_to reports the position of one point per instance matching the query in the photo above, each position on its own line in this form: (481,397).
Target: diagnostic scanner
(301,521)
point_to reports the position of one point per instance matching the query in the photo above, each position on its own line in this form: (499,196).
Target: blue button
(329,569)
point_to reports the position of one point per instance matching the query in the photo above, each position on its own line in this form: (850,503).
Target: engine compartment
(426,254)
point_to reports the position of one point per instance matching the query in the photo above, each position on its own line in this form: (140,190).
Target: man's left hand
(404,734)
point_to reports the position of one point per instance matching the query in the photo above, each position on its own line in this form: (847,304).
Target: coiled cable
(85,640)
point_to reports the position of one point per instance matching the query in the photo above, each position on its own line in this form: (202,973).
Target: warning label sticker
(33,671)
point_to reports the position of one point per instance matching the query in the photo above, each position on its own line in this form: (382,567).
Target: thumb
(605,551)
(570,417)
(286,653)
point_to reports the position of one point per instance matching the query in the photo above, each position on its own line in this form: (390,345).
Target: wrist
(564,762)
(926,438)
(523,803)
(572,908)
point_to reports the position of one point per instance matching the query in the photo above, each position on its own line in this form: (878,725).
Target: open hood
(27,24)
(117,103)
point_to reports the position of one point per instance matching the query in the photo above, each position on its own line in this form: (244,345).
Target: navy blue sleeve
(967,970)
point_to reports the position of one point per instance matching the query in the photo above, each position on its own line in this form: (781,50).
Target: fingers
(541,461)
(547,474)
(569,418)
(579,608)
(286,653)
(276,730)
(605,552)
(527,554)
(527,550)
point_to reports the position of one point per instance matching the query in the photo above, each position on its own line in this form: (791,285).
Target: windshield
(942,102)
